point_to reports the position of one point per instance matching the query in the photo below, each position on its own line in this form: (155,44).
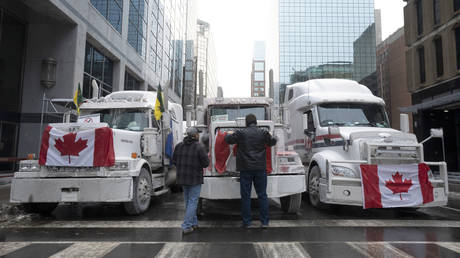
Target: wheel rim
(314,188)
(143,191)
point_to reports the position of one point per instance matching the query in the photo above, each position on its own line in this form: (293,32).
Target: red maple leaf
(69,146)
(398,186)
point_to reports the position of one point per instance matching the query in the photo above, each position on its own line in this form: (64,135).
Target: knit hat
(251,119)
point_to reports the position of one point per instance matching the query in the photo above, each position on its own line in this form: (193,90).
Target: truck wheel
(142,192)
(45,208)
(291,203)
(313,188)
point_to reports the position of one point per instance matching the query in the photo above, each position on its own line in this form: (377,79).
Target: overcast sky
(237,24)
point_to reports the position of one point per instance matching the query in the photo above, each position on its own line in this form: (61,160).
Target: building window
(457,46)
(97,67)
(456,5)
(421,61)
(418,6)
(137,29)
(439,57)
(112,10)
(131,83)
(258,76)
(436,12)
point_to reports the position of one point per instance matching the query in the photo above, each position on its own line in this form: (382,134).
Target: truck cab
(136,148)
(286,175)
(336,125)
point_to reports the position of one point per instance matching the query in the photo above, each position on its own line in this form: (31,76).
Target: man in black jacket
(251,161)
(190,158)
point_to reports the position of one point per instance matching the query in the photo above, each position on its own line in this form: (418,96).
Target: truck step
(160,192)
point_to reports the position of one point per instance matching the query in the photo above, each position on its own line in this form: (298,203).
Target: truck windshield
(231,113)
(352,114)
(126,119)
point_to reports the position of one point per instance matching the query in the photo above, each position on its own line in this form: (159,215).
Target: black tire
(291,203)
(45,208)
(313,188)
(142,194)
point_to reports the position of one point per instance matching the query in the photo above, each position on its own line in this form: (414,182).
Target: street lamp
(48,73)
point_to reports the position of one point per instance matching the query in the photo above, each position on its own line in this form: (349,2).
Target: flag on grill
(223,152)
(386,186)
(88,148)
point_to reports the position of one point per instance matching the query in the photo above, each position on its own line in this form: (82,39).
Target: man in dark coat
(251,161)
(190,158)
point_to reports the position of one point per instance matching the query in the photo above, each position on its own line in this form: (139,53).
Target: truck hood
(374,133)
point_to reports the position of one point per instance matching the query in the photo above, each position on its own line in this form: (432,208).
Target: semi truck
(286,174)
(335,125)
(117,152)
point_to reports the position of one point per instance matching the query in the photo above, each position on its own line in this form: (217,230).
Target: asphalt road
(106,231)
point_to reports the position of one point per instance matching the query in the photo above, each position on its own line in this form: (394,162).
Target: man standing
(190,158)
(251,161)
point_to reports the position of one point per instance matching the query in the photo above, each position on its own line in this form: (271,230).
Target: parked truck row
(329,128)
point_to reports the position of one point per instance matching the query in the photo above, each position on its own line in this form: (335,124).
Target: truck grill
(57,169)
(394,154)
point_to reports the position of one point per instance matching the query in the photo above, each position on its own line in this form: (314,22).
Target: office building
(326,39)
(391,76)
(49,47)
(258,70)
(206,63)
(432,35)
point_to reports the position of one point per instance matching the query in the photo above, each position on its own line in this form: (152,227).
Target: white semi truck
(286,180)
(335,125)
(139,169)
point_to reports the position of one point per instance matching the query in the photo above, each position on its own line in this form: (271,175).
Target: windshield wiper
(369,123)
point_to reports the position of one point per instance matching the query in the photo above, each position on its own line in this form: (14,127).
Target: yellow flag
(159,108)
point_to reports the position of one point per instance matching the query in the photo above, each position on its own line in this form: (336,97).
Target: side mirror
(404,123)
(437,133)
(305,121)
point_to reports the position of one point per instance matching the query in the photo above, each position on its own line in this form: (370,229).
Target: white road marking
(280,250)
(450,208)
(378,250)
(451,246)
(232,224)
(9,247)
(181,250)
(88,249)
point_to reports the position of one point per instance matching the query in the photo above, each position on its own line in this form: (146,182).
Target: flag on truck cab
(87,148)
(159,107)
(386,186)
(78,98)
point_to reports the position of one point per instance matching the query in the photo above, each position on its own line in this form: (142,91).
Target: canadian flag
(86,148)
(223,152)
(386,186)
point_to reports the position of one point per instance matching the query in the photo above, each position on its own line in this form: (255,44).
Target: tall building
(433,62)
(49,47)
(326,39)
(258,70)
(391,76)
(206,63)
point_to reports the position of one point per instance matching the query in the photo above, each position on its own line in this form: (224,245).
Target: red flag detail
(104,155)
(44,146)
(370,181)
(69,146)
(269,159)
(221,151)
(425,184)
(397,185)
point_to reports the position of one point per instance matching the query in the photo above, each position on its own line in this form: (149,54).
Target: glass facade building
(326,39)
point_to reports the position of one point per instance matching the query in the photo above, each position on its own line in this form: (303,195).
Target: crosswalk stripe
(451,246)
(88,249)
(180,250)
(230,224)
(378,250)
(280,250)
(9,247)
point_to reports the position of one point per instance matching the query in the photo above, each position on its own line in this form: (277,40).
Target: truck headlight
(343,171)
(120,165)
(29,167)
